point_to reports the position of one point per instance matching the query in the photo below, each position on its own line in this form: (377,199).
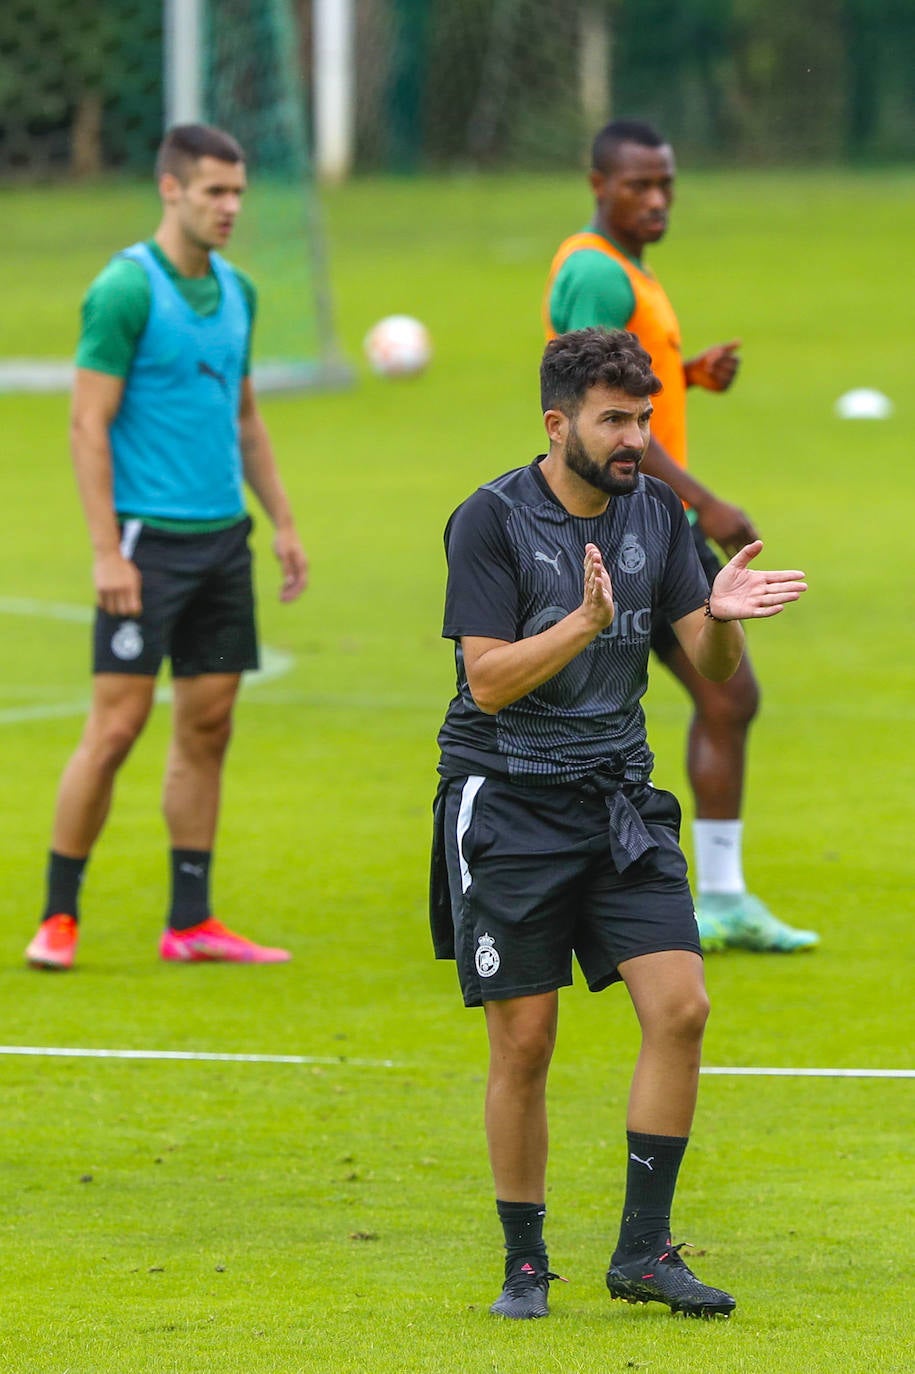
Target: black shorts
(663,638)
(531,881)
(198,605)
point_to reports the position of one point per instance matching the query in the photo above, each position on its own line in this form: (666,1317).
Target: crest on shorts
(127,640)
(487,957)
(631,556)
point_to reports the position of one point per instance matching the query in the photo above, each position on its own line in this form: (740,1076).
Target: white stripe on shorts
(465,813)
(130,535)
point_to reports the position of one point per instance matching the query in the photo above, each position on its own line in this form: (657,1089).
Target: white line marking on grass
(274,662)
(343,1061)
(754,1072)
(336,1060)
(45,610)
(18,715)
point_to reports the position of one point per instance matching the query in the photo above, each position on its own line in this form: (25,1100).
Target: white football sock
(718,847)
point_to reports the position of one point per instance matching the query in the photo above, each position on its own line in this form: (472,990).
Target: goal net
(525,84)
(81,102)
(482,84)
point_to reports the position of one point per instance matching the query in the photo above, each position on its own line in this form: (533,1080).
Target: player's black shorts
(198,605)
(663,638)
(531,881)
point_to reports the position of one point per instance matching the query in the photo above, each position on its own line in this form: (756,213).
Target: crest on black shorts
(631,556)
(127,640)
(487,957)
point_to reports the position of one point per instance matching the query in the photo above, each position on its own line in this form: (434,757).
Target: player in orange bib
(598,277)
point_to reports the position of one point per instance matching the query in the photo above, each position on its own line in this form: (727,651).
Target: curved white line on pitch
(274,662)
(338,1060)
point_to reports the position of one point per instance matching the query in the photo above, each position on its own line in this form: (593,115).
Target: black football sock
(522,1223)
(651,1177)
(190,888)
(64,878)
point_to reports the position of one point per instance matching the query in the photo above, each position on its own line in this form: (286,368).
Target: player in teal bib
(165,431)
(174,439)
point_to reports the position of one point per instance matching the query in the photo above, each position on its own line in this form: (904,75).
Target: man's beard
(580,462)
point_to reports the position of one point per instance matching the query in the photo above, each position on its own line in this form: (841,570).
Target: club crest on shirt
(127,641)
(487,956)
(631,555)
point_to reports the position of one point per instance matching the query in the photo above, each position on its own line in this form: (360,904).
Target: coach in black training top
(549,838)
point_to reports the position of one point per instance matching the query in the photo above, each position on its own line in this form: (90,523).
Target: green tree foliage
(480,82)
(79,84)
(752,80)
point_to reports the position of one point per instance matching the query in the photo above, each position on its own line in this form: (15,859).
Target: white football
(864,404)
(398,346)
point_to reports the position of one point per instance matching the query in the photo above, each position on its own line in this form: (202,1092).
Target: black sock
(190,888)
(522,1223)
(651,1177)
(64,879)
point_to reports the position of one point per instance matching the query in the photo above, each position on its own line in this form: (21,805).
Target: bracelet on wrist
(710,614)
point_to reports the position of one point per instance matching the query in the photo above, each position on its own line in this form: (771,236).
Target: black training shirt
(515,567)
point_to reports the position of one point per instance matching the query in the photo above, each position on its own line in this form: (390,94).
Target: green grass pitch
(175,1217)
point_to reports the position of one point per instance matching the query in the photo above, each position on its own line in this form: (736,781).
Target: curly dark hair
(187,143)
(572,363)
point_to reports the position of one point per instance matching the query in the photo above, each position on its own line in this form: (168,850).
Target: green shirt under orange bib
(588,257)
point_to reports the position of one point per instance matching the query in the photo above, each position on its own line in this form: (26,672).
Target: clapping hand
(597,599)
(740,592)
